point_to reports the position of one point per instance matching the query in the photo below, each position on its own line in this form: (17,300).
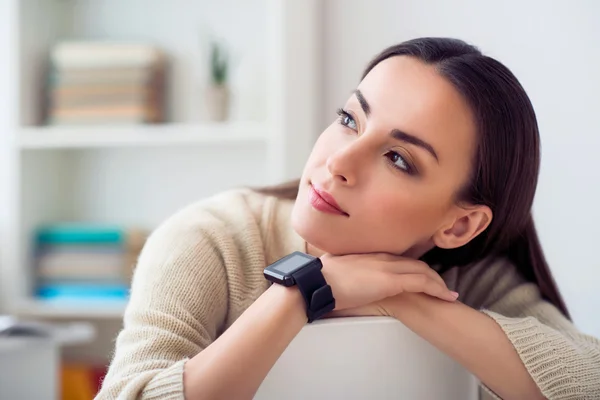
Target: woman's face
(393,161)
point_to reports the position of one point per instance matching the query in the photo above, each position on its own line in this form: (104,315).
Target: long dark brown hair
(506,164)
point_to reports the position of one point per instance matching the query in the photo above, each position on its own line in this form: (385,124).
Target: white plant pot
(217,102)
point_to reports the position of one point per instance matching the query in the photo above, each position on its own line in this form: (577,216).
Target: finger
(397,264)
(419,283)
(415,267)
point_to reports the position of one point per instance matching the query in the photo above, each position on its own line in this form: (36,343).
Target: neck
(312,250)
(414,252)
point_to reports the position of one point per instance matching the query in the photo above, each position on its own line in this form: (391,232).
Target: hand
(359,280)
(388,307)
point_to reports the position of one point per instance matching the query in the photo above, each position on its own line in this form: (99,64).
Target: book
(81,381)
(75,77)
(83,291)
(109,97)
(77,382)
(79,248)
(84,258)
(104,114)
(105,54)
(105,82)
(82,266)
(80,233)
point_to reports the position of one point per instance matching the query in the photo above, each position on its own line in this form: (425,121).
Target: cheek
(408,213)
(322,148)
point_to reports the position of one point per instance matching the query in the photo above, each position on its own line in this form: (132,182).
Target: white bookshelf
(140,174)
(71,310)
(176,134)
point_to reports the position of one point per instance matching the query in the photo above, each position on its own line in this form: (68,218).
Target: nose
(343,164)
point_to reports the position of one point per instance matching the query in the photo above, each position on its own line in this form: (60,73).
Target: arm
(518,338)
(192,282)
(180,303)
(472,339)
(234,366)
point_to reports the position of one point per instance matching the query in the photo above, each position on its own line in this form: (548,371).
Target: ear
(465,225)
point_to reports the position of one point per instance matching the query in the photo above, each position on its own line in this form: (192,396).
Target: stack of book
(106,83)
(81,381)
(85,262)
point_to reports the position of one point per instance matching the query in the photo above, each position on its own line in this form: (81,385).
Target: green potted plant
(217,99)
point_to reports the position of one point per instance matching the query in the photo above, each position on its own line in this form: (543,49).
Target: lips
(324,201)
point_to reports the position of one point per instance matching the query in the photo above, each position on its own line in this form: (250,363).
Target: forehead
(409,95)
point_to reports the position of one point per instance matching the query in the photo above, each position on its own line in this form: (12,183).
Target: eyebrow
(363,102)
(397,133)
(408,138)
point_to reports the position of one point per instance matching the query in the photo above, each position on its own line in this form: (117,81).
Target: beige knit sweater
(203,267)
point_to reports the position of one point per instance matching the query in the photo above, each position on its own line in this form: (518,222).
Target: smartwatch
(304,271)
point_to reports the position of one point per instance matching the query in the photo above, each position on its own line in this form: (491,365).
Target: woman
(421,188)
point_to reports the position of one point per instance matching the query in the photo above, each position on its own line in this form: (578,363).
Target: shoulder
(224,215)
(496,284)
(225,207)
(214,224)
(234,234)
(213,247)
(242,218)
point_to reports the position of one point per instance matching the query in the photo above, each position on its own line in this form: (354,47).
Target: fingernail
(454,294)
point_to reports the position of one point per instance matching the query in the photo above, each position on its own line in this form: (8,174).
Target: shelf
(82,309)
(82,137)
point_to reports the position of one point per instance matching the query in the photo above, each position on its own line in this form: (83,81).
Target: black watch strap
(315,290)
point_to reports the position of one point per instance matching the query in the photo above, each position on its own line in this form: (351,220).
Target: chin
(319,234)
(333,238)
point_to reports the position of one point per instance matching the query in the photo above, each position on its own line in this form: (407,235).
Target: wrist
(304,272)
(405,304)
(408,305)
(289,299)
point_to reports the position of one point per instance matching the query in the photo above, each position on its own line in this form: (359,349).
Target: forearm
(471,338)
(234,366)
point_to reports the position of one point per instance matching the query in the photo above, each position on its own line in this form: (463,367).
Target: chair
(365,358)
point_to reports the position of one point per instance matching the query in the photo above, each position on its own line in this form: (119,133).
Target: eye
(346,119)
(399,162)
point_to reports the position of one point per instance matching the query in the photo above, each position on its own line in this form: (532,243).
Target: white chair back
(365,358)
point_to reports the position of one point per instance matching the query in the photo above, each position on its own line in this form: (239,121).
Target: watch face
(288,265)
(280,271)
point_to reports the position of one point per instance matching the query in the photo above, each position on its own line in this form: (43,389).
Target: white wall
(553,48)
(6,108)
(188,48)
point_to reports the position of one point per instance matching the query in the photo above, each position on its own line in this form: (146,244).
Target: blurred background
(116,113)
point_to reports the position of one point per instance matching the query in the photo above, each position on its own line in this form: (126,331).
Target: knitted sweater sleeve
(563,362)
(178,302)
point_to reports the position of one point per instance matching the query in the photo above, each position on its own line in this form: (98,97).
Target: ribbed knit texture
(203,267)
